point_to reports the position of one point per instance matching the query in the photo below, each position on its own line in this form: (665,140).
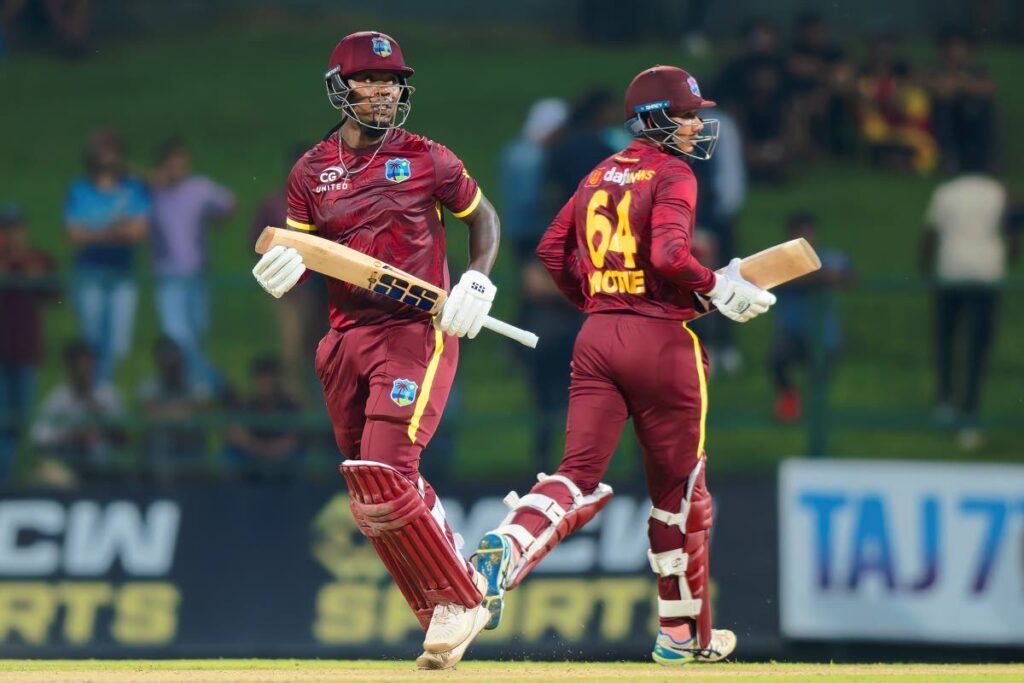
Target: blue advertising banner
(902,551)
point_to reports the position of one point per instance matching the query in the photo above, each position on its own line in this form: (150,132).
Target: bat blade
(780,264)
(356,268)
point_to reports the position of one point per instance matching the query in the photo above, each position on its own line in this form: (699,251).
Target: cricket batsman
(620,250)
(386,368)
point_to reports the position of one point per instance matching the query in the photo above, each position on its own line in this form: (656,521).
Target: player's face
(690,127)
(375,96)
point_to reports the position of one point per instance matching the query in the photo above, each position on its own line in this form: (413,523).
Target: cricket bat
(778,265)
(356,268)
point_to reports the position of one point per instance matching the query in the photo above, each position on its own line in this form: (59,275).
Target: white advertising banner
(904,551)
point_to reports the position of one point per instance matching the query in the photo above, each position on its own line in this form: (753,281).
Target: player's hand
(736,298)
(278,270)
(469,303)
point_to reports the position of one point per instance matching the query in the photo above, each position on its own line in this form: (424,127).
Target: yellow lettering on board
(345,613)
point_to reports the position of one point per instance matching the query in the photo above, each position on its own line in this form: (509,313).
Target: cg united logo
(397,170)
(382,47)
(403,392)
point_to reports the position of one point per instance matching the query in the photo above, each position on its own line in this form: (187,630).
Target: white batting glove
(736,298)
(278,270)
(469,303)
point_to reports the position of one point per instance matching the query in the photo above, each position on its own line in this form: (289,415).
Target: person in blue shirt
(107,216)
(797,316)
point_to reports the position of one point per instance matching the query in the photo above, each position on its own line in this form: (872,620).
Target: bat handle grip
(524,337)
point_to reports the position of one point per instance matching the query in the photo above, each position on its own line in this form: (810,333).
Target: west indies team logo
(694,88)
(403,392)
(397,170)
(382,47)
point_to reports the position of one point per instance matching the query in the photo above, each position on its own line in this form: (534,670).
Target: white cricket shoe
(670,652)
(452,625)
(447,660)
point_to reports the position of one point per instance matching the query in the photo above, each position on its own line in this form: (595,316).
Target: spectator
(25,286)
(964,252)
(107,215)
(721,192)
(79,425)
(806,315)
(302,322)
(895,111)
(262,441)
(521,172)
(172,402)
(755,87)
(963,97)
(184,206)
(822,82)
(69,19)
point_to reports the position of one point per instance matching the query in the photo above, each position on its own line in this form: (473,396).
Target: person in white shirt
(964,252)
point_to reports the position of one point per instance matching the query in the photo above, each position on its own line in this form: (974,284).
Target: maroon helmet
(658,93)
(367,51)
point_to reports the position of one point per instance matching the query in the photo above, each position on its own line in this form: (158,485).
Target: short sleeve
(456,189)
(219,200)
(300,210)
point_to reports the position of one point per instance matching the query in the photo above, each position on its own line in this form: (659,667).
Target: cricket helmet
(659,93)
(367,51)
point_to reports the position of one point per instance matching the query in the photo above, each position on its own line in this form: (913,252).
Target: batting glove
(469,303)
(278,270)
(736,298)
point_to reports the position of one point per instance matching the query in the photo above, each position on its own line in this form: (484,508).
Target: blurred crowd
(189,420)
(788,96)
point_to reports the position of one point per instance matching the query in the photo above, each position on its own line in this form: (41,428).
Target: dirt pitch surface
(301,671)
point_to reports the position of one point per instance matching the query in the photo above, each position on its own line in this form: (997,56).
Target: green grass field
(280,671)
(243,92)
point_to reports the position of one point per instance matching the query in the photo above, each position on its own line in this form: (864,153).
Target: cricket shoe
(451,625)
(448,659)
(492,559)
(671,652)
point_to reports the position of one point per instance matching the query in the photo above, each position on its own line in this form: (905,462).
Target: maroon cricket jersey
(390,210)
(623,240)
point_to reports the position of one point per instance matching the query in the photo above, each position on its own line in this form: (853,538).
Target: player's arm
(557,251)
(281,268)
(672,238)
(671,255)
(469,302)
(484,230)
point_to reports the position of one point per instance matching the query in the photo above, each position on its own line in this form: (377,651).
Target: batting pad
(391,512)
(561,522)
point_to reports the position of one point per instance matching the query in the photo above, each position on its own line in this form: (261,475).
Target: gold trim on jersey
(702,380)
(428,382)
(472,205)
(305,227)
